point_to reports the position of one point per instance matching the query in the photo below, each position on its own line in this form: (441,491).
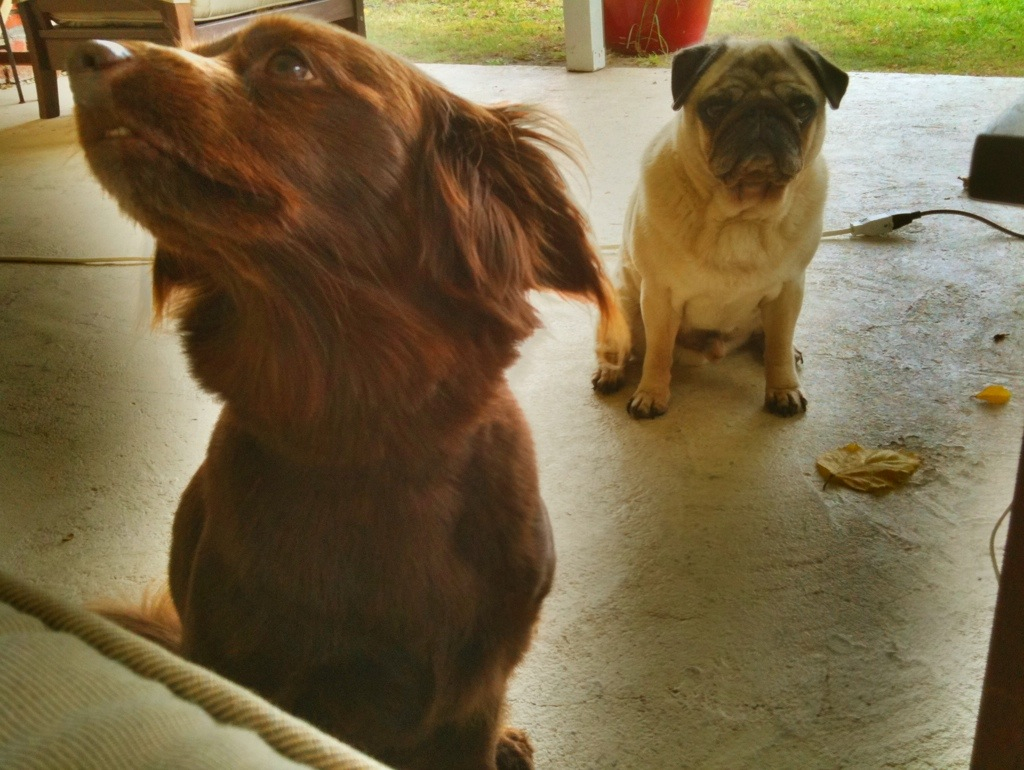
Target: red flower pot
(654,26)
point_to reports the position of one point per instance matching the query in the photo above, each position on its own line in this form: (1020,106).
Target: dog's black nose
(97,55)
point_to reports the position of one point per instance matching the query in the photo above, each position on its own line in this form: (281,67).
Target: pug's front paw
(785,402)
(647,403)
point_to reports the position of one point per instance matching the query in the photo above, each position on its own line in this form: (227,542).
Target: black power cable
(885,224)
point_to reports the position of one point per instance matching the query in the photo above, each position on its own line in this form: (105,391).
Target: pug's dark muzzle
(756,150)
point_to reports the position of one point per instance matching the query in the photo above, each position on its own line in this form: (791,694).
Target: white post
(584,35)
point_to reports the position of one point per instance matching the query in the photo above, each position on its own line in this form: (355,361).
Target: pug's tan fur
(725,218)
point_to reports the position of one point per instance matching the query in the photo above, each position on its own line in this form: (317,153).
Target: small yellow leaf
(994,394)
(868,470)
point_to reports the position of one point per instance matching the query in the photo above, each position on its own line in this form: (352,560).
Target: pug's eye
(288,65)
(803,108)
(712,111)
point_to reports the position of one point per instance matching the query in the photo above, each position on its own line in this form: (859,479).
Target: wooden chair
(54,27)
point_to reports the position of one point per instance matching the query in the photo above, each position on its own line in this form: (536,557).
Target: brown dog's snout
(97,55)
(86,66)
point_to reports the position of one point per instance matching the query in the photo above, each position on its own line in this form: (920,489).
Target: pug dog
(725,218)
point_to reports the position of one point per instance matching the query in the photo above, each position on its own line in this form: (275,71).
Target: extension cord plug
(875,227)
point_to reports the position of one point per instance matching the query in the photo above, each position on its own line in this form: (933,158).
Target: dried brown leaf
(868,470)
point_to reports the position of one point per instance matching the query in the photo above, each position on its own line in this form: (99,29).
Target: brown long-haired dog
(348,249)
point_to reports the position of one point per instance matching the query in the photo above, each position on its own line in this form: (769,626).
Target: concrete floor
(714,607)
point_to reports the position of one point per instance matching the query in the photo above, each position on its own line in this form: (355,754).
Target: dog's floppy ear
(689,65)
(833,81)
(498,220)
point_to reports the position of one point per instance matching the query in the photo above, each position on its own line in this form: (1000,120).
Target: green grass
(967,37)
(964,37)
(469,31)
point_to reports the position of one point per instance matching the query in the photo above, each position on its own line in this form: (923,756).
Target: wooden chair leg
(42,69)
(46,93)
(180,23)
(357,23)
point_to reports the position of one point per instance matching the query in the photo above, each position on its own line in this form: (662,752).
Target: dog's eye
(288,64)
(713,110)
(803,108)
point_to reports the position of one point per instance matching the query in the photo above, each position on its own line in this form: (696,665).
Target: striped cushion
(79,692)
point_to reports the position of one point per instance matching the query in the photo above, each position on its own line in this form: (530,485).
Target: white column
(584,35)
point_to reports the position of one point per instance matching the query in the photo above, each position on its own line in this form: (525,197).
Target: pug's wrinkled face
(756,111)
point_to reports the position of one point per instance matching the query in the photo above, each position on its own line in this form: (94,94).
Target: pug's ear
(833,81)
(689,65)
